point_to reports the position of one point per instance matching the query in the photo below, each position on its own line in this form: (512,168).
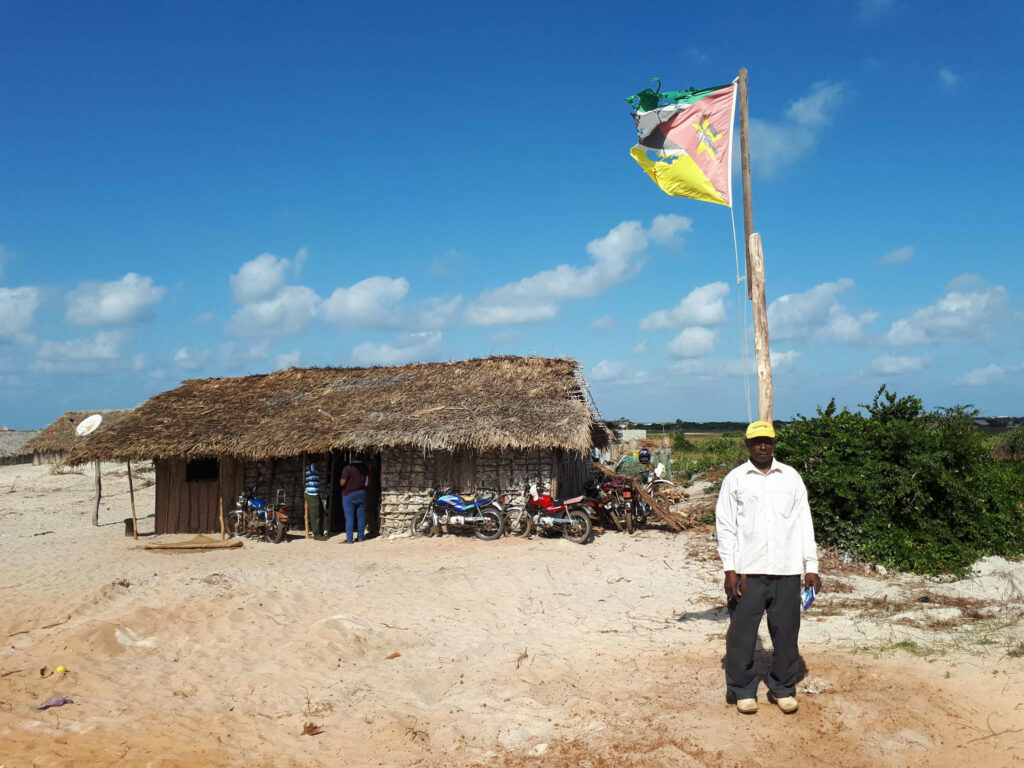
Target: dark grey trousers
(779,596)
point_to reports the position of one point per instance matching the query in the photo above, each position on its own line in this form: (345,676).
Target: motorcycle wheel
(421,523)
(642,512)
(492,528)
(275,532)
(518,522)
(581,528)
(235,524)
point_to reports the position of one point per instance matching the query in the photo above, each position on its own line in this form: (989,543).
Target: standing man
(317,518)
(355,479)
(766,541)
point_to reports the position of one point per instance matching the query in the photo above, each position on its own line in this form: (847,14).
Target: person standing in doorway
(766,542)
(317,518)
(355,479)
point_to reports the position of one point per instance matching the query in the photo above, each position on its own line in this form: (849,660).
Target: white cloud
(17,306)
(234,356)
(816,315)
(965,314)
(287,360)
(948,78)
(370,303)
(435,313)
(899,364)
(616,258)
(898,256)
(641,348)
(105,345)
(192,359)
(604,323)
(139,362)
(692,342)
(204,319)
(259,279)
(704,305)
(300,261)
(784,361)
(980,377)
(121,302)
(406,348)
(665,229)
(709,369)
(287,313)
(775,145)
(617,372)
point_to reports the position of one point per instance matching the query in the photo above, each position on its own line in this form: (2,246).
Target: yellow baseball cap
(760,429)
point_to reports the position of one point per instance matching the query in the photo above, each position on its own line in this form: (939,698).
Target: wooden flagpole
(755,267)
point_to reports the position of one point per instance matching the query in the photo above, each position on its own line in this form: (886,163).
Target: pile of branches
(660,505)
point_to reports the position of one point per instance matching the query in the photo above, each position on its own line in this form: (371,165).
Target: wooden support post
(762,353)
(748,206)
(99,493)
(305,501)
(131,494)
(220,510)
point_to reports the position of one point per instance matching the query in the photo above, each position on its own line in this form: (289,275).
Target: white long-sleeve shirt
(764,522)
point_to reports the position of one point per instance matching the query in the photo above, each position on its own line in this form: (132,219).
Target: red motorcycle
(540,512)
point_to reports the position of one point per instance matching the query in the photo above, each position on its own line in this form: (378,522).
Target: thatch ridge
(483,403)
(60,436)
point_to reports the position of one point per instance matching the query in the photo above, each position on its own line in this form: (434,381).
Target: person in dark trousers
(317,516)
(766,541)
(355,479)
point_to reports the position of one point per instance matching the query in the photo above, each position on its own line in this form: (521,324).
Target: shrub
(906,488)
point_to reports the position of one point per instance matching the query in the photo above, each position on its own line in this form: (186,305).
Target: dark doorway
(336,514)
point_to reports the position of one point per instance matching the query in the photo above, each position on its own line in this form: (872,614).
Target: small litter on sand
(55,703)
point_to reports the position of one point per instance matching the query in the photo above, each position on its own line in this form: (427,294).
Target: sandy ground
(457,652)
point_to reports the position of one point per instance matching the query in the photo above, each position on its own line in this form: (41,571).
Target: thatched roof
(60,436)
(495,402)
(12,442)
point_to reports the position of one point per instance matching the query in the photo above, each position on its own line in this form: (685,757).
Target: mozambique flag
(691,132)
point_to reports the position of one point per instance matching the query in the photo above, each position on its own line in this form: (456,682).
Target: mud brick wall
(408,474)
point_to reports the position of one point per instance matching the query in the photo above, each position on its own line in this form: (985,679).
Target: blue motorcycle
(254,517)
(481,514)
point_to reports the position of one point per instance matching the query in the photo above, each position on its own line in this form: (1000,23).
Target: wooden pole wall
(305,501)
(761,349)
(131,494)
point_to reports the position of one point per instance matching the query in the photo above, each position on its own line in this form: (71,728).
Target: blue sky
(216,189)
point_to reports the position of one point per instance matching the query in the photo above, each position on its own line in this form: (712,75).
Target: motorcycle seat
(573,500)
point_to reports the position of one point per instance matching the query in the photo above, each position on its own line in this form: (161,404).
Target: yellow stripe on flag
(681,177)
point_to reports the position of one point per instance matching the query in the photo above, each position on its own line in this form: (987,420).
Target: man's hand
(813,580)
(733,586)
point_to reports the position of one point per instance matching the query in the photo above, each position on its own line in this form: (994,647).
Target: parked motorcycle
(483,515)
(652,482)
(253,517)
(541,512)
(611,499)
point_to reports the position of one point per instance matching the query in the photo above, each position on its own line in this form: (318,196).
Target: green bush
(680,443)
(909,489)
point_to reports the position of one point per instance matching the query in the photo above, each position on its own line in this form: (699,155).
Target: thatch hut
(12,446)
(53,444)
(487,424)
